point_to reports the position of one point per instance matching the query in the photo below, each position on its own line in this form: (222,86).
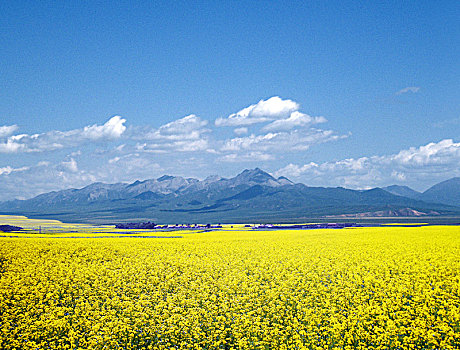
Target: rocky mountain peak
(256,175)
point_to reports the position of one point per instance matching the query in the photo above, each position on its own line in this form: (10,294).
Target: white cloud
(7,130)
(413,89)
(183,126)
(54,140)
(190,127)
(247,157)
(280,142)
(30,181)
(340,173)
(248,142)
(11,146)
(264,110)
(45,176)
(112,129)
(175,146)
(295,171)
(183,135)
(438,154)
(425,164)
(189,134)
(287,130)
(296,119)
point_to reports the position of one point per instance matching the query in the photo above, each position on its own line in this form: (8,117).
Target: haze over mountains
(253,195)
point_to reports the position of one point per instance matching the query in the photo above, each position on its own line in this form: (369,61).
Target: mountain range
(251,196)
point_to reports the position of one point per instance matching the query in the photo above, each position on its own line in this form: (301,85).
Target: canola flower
(361,288)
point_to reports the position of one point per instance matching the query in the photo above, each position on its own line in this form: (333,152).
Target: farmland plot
(359,288)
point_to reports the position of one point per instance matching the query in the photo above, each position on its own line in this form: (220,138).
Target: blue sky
(353,94)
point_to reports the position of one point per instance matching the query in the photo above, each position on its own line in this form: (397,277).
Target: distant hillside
(446,192)
(251,196)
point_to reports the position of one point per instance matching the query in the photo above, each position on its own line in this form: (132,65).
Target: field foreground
(360,288)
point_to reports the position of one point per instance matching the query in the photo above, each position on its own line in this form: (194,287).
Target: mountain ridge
(251,195)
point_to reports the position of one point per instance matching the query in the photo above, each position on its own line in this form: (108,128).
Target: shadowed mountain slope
(446,192)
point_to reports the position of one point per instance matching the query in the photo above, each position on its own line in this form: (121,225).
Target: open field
(233,288)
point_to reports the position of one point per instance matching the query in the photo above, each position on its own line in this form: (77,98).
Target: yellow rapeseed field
(361,288)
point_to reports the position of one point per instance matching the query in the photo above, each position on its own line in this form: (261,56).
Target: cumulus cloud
(186,134)
(54,140)
(264,110)
(435,160)
(286,130)
(295,120)
(7,130)
(112,129)
(12,146)
(413,89)
(442,153)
